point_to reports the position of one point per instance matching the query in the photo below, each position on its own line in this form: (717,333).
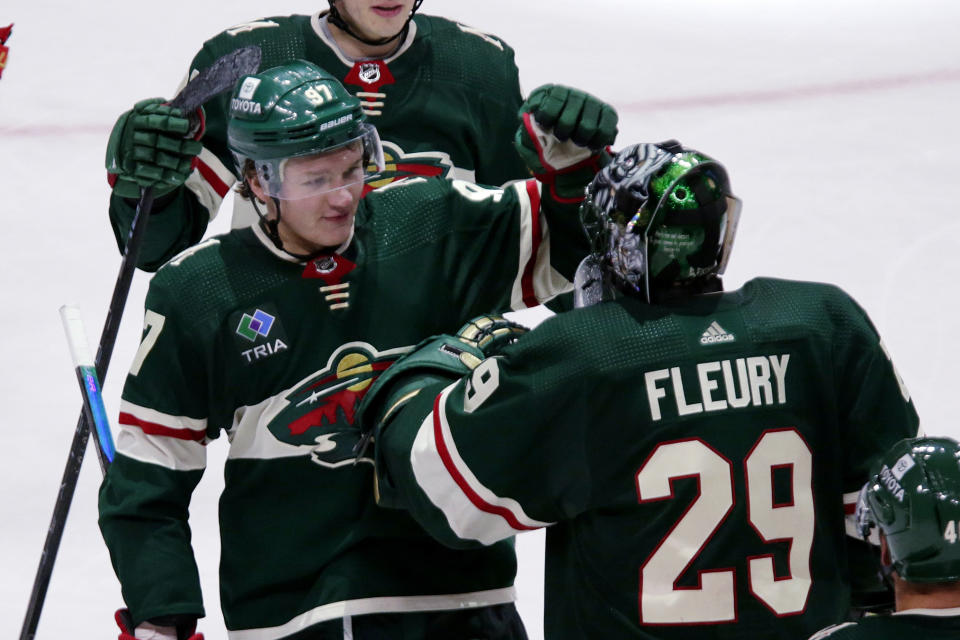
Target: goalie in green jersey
(694,454)
(274,333)
(444,97)
(912,504)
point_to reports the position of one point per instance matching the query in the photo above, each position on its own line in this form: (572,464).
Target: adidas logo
(715,333)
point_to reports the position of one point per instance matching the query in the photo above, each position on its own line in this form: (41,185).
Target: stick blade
(221,76)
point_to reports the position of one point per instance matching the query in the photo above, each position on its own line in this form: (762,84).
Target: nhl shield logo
(369,72)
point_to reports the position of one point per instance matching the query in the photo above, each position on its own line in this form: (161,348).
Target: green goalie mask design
(914,499)
(660,215)
(298,110)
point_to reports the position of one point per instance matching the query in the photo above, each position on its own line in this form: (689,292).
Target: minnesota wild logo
(320,411)
(400,165)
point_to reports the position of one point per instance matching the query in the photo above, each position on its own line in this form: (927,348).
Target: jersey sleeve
(477,461)
(179,219)
(160,458)
(497,161)
(508,248)
(875,405)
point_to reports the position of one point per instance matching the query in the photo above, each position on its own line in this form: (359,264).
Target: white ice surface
(836,120)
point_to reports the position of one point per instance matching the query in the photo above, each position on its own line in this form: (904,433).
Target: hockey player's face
(375,19)
(323,218)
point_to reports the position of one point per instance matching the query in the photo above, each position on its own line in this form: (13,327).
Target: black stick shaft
(68,483)
(219,77)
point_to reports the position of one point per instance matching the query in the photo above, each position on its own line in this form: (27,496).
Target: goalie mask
(914,499)
(298,110)
(660,215)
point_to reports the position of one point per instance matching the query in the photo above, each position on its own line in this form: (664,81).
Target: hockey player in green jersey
(443,96)
(692,451)
(274,333)
(913,502)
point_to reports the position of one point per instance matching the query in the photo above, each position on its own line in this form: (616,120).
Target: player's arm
(153,145)
(875,405)
(160,458)
(474,459)
(877,411)
(184,159)
(497,162)
(519,246)
(563,137)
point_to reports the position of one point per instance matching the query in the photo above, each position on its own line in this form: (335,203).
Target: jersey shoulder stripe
(831,631)
(173,442)
(473,511)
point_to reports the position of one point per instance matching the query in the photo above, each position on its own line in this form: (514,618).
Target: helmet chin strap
(336,19)
(272,229)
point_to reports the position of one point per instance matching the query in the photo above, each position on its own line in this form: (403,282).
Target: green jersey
(242,339)
(925,624)
(445,104)
(694,461)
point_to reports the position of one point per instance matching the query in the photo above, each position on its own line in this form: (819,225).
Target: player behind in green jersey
(913,502)
(444,97)
(273,333)
(692,451)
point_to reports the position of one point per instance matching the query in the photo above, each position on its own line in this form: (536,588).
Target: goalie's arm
(473,460)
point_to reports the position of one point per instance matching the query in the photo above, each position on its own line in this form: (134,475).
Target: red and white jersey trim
(473,511)
(536,281)
(173,442)
(210,181)
(850,519)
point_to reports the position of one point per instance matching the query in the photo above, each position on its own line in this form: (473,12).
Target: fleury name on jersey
(723,384)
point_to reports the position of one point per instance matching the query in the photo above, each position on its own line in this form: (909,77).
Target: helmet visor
(354,162)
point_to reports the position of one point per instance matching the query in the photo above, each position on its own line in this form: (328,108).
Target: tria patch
(258,333)
(264,350)
(251,326)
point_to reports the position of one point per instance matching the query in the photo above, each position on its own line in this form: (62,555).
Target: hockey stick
(93,408)
(219,77)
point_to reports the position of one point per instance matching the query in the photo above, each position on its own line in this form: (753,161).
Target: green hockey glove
(440,358)
(490,333)
(152,145)
(563,138)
